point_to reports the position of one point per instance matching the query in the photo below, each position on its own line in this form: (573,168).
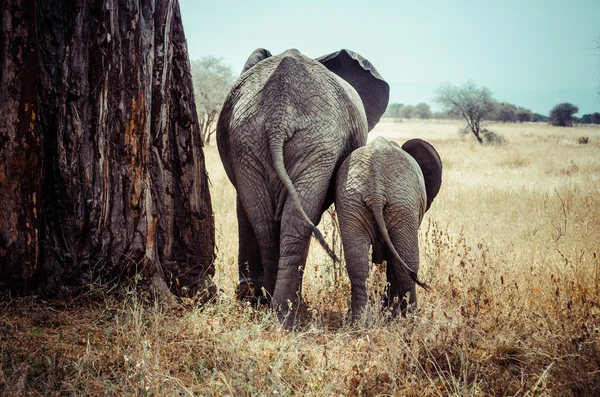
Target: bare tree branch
(468,101)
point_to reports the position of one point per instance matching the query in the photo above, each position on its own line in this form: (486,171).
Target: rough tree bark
(123,185)
(20,172)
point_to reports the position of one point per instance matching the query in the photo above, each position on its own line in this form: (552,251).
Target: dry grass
(511,247)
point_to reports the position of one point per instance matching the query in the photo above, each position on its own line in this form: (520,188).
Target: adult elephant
(383,190)
(285,128)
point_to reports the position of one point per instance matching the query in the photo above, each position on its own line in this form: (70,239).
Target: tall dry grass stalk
(511,248)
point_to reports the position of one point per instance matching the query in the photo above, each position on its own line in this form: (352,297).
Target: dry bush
(583,140)
(489,137)
(492,138)
(511,248)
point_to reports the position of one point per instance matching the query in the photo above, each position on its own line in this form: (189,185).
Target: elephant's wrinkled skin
(382,193)
(285,128)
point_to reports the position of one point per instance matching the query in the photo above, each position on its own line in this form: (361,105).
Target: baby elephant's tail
(377,209)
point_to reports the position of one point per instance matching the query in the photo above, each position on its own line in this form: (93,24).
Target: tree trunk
(124,189)
(210,126)
(477,134)
(20,172)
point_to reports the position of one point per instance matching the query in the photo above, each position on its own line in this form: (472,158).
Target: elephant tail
(377,209)
(276,147)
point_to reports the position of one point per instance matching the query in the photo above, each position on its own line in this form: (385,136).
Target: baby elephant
(382,192)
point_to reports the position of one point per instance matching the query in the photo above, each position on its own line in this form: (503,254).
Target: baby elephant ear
(258,55)
(431,165)
(362,75)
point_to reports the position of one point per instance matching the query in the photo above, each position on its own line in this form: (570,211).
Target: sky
(533,53)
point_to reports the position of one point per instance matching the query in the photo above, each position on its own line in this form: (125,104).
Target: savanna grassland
(510,247)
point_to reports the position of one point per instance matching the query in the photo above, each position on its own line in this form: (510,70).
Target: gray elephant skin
(285,128)
(382,192)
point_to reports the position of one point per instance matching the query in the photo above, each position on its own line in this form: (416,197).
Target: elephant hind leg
(294,243)
(356,251)
(258,231)
(399,297)
(293,251)
(250,267)
(356,241)
(401,294)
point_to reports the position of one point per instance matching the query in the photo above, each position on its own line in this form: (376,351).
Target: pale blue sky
(531,53)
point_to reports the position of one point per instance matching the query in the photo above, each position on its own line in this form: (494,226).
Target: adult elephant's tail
(377,209)
(276,148)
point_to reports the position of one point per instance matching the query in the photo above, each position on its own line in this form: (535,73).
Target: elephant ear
(258,55)
(362,75)
(431,165)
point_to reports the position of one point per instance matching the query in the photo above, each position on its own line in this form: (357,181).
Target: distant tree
(524,115)
(593,118)
(393,110)
(539,118)
(422,111)
(504,112)
(445,116)
(508,113)
(406,111)
(472,103)
(212,80)
(561,115)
